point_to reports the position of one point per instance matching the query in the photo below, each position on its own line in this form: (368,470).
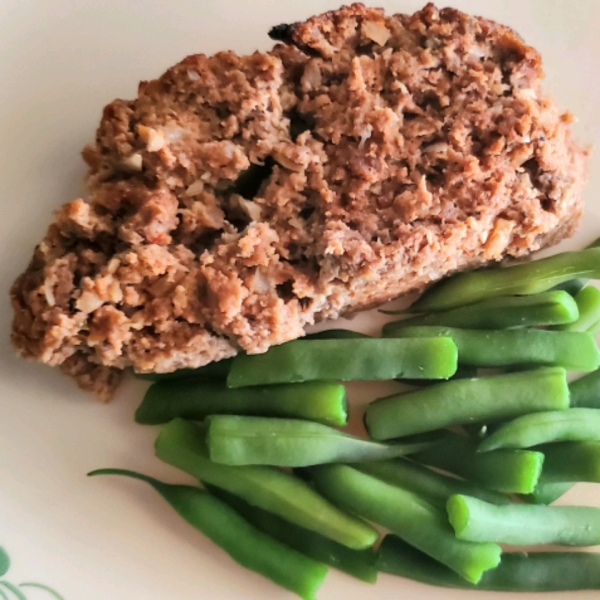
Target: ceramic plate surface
(60,63)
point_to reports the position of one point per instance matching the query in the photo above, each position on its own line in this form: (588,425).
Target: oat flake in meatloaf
(238,199)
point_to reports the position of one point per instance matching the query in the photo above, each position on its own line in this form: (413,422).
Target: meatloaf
(239,199)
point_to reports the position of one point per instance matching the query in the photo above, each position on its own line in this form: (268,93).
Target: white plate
(60,63)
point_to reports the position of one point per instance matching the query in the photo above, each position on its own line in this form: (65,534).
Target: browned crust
(239,199)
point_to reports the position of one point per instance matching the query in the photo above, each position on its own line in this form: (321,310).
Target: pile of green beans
(464,462)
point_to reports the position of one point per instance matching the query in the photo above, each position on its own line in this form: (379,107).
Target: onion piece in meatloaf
(239,199)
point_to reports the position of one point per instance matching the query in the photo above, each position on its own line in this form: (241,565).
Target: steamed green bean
(324,402)
(569,462)
(234,440)
(350,359)
(474,520)
(572,425)
(573,350)
(467,401)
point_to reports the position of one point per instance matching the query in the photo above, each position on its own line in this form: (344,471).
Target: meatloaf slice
(239,199)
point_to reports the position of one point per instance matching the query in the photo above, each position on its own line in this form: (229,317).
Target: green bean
(467,401)
(585,391)
(319,401)
(15,591)
(404,513)
(182,444)
(547,493)
(572,287)
(509,471)
(502,312)
(487,348)
(214,371)
(522,279)
(569,462)
(588,304)
(236,440)
(474,520)
(358,563)
(247,545)
(433,487)
(572,425)
(518,571)
(350,359)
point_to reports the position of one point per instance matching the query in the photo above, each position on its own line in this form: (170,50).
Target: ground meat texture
(239,199)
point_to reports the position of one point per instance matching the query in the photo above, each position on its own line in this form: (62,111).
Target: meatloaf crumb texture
(239,199)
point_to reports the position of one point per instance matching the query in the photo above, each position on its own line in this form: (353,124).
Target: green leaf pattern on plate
(41,586)
(16,592)
(4,562)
